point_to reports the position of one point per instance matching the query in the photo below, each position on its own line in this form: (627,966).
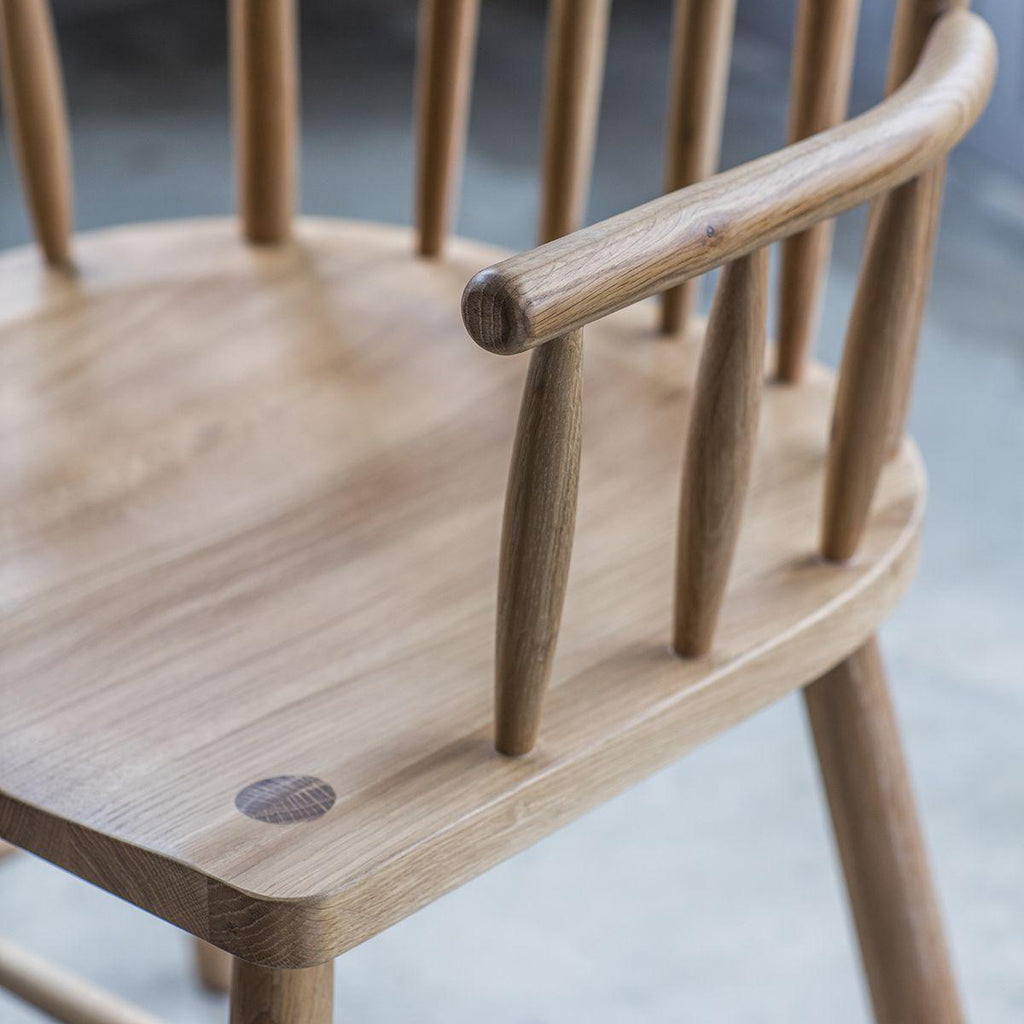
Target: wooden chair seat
(252,503)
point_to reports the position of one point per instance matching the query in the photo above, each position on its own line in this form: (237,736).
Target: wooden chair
(253,491)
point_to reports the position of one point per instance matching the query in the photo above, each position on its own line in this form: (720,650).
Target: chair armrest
(559,287)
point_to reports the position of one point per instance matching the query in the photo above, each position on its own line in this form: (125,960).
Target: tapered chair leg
(880,843)
(213,966)
(265,995)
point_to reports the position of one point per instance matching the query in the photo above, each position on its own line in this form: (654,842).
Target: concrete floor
(710,892)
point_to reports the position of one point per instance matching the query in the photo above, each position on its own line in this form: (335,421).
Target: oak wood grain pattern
(574,68)
(264,542)
(264,72)
(262,995)
(33,92)
(826,32)
(213,966)
(880,843)
(914,19)
(62,996)
(719,450)
(536,542)
(568,283)
(701,49)
(885,305)
(444,75)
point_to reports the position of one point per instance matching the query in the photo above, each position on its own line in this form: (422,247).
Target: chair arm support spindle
(720,449)
(536,541)
(876,356)
(34,104)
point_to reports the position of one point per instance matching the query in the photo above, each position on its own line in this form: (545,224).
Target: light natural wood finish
(914,20)
(61,995)
(720,449)
(880,843)
(577,35)
(572,281)
(262,995)
(213,966)
(891,282)
(264,543)
(37,122)
(701,48)
(264,60)
(826,33)
(444,73)
(536,542)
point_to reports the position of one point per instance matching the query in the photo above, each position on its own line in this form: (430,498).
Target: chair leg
(880,843)
(266,995)
(213,966)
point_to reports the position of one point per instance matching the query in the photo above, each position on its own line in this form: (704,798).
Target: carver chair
(278,668)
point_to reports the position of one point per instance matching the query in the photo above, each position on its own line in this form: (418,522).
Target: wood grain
(536,542)
(880,843)
(62,996)
(33,92)
(888,295)
(719,450)
(570,282)
(213,966)
(444,76)
(264,66)
(264,542)
(577,34)
(826,32)
(701,50)
(261,995)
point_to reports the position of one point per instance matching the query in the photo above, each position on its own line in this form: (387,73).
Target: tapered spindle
(701,47)
(265,995)
(536,542)
(265,86)
(34,107)
(577,37)
(444,73)
(914,20)
(819,93)
(720,449)
(892,279)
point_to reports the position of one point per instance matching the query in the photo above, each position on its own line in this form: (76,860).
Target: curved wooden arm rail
(528,299)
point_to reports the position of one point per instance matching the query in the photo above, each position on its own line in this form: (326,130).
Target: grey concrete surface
(710,892)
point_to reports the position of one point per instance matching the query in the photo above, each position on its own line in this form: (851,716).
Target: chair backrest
(941,69)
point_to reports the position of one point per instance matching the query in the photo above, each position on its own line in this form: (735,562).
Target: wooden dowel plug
(444,75)
(34,106)
(265,85)
(702,33)
(720,449)
(885,307)
(536,541)
(577,37)
(822,69)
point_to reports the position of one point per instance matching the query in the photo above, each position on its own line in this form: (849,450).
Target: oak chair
(253,553)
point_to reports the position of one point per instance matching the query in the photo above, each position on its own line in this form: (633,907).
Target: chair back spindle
(444,73)
(702,32)
(34,105)
(826,33)
(264,58)
(720,449)
(540,500)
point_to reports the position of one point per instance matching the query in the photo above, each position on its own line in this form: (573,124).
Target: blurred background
(711,892)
